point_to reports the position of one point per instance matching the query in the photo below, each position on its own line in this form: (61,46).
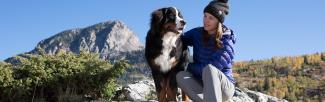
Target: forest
(294,78)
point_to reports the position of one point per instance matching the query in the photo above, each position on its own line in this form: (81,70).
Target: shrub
(61,77)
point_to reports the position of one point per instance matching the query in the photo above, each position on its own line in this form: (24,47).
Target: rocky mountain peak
(104,38)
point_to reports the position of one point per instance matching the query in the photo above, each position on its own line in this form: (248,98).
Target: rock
(241,96)
(138,91)
(260,97)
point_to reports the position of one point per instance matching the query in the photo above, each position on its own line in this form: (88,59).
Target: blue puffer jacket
(202,56)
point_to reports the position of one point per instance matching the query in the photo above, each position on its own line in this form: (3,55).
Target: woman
(209,78)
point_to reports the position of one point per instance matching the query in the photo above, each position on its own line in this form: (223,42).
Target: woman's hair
(217,37)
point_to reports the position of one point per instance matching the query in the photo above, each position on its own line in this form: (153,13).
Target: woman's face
(210,22)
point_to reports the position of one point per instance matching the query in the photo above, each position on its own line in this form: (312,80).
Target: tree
(323,56)
(312,59)
(6,79)
(290,96)
(267,84)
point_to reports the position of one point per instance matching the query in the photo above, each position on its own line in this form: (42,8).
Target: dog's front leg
(171,87)
(162,93)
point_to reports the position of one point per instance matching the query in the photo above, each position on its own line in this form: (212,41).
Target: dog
(164,51)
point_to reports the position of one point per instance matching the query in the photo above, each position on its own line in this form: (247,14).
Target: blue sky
(264,28)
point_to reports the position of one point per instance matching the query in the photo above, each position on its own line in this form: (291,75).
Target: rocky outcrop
(145,91)
(137,91)
(246,95)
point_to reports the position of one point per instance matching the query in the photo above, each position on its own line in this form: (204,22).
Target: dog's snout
(183,22)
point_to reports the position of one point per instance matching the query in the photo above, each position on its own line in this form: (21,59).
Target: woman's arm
(187,37)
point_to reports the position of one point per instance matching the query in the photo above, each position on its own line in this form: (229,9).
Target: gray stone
(260,97)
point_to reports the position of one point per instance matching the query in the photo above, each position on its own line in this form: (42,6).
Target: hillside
(299,78)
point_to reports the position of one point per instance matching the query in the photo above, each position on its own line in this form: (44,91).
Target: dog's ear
(156,16)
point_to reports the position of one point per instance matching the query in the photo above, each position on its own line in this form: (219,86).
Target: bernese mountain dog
(164,52)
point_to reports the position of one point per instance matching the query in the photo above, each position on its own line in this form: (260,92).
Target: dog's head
(167,19)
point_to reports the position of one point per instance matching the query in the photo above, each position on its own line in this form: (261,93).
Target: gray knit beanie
(218,8)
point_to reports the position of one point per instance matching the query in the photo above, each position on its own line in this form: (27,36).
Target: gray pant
(214,86)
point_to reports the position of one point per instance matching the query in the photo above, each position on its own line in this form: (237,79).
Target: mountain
(107,39)
(112,40)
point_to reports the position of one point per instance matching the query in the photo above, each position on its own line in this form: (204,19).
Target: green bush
(61,77)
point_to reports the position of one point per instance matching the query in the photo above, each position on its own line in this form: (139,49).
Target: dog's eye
(180,15)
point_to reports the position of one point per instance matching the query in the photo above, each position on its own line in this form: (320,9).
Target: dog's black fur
(166,22)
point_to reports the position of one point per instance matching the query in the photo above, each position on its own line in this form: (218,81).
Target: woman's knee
(210,69)
(180,76)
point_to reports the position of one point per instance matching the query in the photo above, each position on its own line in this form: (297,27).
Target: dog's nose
(183,22)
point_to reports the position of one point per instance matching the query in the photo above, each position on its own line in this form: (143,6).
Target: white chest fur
(164,60)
